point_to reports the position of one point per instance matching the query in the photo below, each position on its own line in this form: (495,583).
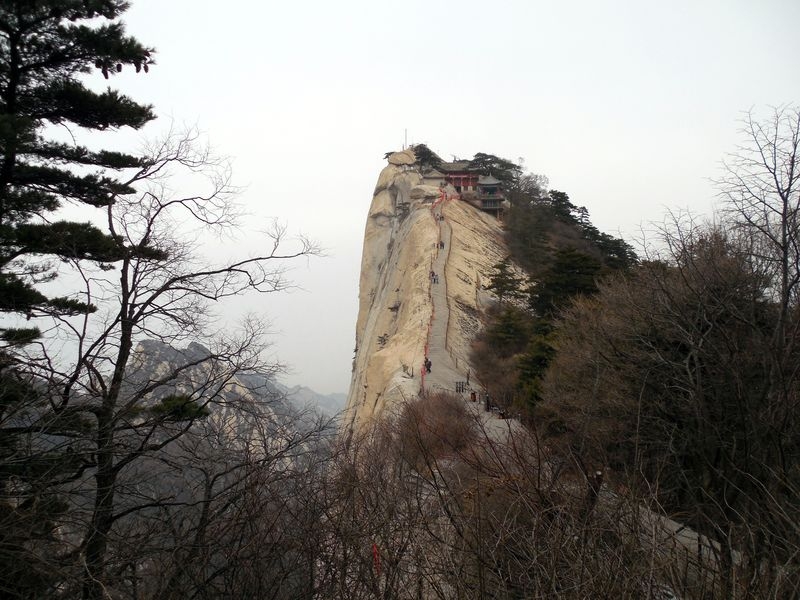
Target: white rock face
(402,312)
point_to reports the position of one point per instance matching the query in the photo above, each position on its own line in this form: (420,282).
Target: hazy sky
(627,106)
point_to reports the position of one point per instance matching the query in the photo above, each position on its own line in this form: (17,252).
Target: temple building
(482,191)
(459,175)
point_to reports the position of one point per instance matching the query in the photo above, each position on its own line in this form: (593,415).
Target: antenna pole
(405,138)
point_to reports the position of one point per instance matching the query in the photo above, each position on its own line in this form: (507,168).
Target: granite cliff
(426,259)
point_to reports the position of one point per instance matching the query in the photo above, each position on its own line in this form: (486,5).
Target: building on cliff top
(484,192)
(460,176)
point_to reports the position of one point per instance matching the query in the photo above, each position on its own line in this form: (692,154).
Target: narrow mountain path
(444,373)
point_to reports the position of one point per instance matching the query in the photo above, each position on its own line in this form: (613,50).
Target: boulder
(404,157)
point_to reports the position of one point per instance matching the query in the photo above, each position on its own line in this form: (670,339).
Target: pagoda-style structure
(490,195)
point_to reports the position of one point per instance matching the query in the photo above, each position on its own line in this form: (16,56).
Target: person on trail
(427,364)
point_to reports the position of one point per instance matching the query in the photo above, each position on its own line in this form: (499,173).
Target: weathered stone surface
(404,157)
(386,177)
(382,205)
(425,191)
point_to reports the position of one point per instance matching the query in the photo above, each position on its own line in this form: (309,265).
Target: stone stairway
(444,372)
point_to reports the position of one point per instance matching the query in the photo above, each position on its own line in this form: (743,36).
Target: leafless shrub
(435,426)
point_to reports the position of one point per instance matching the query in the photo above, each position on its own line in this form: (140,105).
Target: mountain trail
(445,376)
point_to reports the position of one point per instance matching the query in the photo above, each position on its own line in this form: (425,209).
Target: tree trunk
(102,515)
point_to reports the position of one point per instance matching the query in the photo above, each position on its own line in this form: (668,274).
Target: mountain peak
(428,252)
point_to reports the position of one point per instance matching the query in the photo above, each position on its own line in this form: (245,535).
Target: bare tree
(96,417)
(761,188)
(455,513)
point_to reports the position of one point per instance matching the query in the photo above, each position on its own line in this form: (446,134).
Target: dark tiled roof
(450,167)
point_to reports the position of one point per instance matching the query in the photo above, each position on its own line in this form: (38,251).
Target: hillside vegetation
(675,373)
(563,256)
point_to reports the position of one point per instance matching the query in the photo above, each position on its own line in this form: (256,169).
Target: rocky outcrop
(404,312)
(238,402)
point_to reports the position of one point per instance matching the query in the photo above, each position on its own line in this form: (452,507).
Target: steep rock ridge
(402,313)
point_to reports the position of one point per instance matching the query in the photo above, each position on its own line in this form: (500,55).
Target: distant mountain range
(301,396)
(154,358)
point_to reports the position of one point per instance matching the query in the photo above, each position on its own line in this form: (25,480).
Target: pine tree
(501,168)
(46,47)
(505,283)
(571,273)
(426,157)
